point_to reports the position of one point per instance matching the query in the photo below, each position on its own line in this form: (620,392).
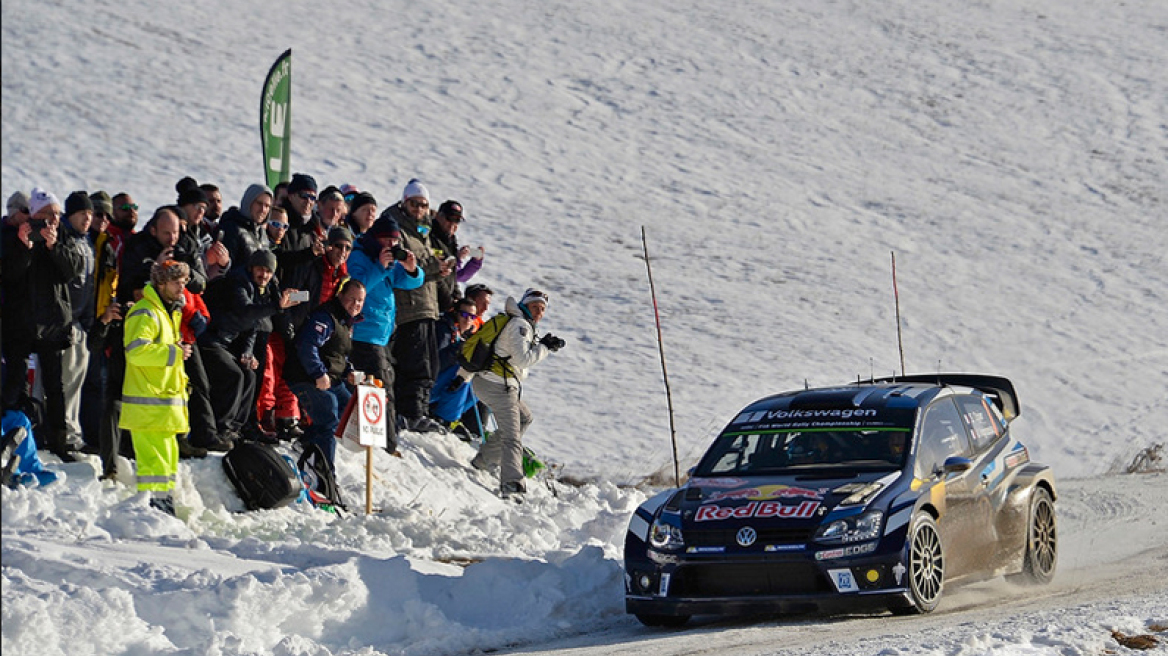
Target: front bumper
(743,586)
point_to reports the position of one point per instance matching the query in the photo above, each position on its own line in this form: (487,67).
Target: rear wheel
(1041,541)
(926,566)
(668,621)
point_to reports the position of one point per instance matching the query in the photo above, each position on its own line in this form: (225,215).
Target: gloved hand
(456,384)
(552,342)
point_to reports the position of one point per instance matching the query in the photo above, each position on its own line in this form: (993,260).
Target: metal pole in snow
(896,295)
(664,371)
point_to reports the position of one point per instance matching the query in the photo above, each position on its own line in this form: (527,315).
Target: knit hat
(451,208)
(266,259)
(361,200)
(40,199)
(17,201)
(192,196)
(339,234)
(535,296)
(77,201)
(330,193)
(301,182)
(102,203)
(385,226)
(415,188)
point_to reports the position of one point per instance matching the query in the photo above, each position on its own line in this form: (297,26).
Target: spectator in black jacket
(241,228)
(239,305)
(37,270)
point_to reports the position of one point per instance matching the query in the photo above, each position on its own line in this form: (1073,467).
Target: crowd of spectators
(281,305)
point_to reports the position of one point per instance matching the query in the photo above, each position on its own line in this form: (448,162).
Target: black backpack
(261,476)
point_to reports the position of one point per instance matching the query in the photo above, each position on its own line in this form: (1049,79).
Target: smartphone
(477,253)
(300,296)
(37,225)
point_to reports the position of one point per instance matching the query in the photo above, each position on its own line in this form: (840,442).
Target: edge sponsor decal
(765,492)
(759,509)
(854,550)
(1017,457)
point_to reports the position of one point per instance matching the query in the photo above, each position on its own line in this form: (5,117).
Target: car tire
(1041,556)
(926,565)
(667,621)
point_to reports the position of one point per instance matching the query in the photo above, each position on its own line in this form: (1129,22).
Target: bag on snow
(478,351)
(261,476)
(318,479)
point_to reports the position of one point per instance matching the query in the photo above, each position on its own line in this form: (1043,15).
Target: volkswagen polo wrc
(864,496)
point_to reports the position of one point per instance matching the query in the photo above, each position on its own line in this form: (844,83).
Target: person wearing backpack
(516,349)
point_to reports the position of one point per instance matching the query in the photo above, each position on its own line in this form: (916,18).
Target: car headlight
(851,529)
(665,536)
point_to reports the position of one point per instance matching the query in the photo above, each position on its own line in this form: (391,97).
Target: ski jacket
(516,350)
(417,303)
(154,394)
(381,284)
(320,279)
(36,289)
(238,310)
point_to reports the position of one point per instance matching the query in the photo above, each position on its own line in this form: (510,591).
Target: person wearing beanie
(380,263)
(362,213)
(241,228)
(39,265)
(17,204)
(415,347)
(74,235)
(241,308)
(517,348)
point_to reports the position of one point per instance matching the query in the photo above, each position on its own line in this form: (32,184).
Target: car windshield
(800,451)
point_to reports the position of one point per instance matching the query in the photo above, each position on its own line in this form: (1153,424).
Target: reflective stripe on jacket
(154,395)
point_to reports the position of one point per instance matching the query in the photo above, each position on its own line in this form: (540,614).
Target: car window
(983,426)
(942,436)
(773,451)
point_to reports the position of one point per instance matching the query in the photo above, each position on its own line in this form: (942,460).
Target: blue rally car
(865,496)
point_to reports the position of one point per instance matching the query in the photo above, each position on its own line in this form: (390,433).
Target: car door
(985,433)
(955,495)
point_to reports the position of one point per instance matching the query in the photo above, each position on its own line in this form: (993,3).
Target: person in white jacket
(501,386)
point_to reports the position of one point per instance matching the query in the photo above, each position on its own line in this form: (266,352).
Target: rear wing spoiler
(999,389)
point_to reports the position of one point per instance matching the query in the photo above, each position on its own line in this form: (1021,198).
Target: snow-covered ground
(1013,154)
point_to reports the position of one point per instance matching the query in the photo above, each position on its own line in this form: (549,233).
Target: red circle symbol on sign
(371,408)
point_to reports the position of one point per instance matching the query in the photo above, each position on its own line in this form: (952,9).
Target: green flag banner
(276,120)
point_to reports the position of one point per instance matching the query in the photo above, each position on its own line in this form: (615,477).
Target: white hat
(41,199)
(535,296)
(415,188)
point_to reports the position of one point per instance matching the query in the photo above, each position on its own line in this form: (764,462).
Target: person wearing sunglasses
(415,345)
(467,261)
(306,234)
(453,404)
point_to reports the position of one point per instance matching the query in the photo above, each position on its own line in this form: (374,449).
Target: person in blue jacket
(381,264)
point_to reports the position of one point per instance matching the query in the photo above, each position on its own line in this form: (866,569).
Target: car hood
(792,500)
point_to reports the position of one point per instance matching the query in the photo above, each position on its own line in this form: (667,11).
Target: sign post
(365,425)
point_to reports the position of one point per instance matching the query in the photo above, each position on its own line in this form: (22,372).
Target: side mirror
(956,465)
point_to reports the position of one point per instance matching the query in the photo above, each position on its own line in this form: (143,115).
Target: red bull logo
(756,509)
(766,492)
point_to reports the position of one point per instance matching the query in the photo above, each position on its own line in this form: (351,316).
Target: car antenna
(806,385)
(871,370)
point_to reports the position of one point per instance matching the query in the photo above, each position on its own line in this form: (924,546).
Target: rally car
(866,496)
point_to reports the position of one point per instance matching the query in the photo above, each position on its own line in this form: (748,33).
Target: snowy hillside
(1012,153)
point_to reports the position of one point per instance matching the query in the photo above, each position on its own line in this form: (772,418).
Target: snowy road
(1113,567)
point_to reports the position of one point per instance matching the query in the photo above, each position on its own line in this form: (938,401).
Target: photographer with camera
(381,264)
(517,348)
(38,315)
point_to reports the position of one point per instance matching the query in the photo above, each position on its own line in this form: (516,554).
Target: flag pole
(664,371)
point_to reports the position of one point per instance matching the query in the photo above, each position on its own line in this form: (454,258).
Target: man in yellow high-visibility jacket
(154,395)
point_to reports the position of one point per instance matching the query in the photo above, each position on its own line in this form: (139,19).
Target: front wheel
(1041,541)
(668,621)
(926,564)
